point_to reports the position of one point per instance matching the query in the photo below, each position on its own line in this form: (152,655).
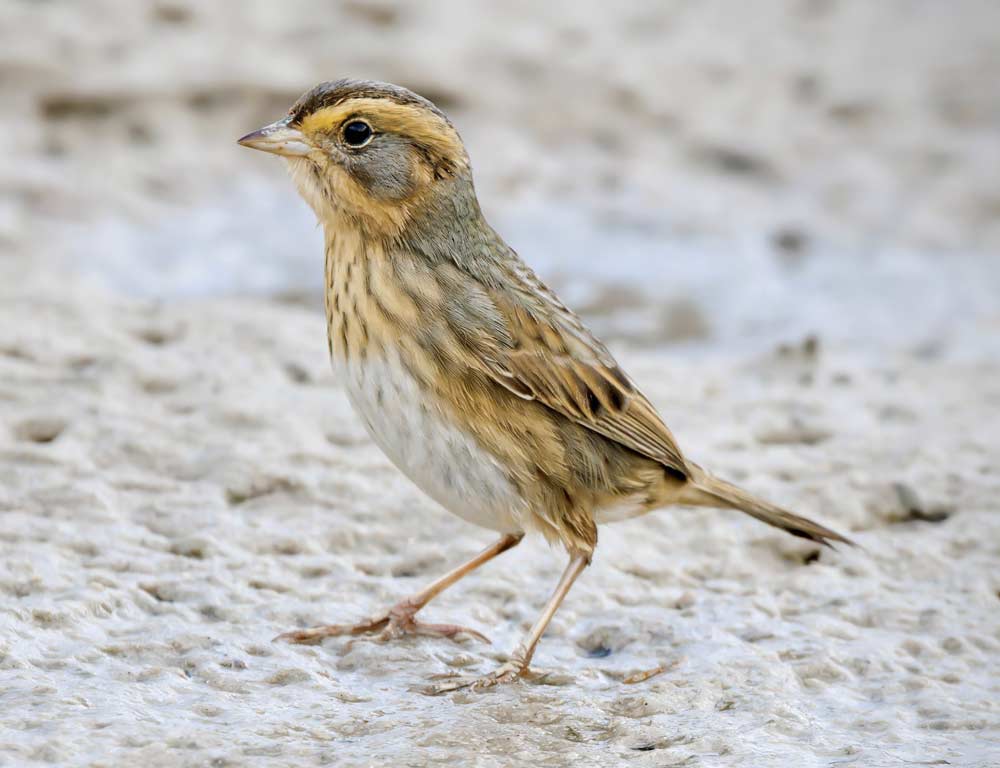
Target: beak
(279,138)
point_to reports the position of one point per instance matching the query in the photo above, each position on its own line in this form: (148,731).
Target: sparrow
(469,373)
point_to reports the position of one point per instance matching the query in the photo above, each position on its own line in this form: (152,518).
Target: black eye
(357,133)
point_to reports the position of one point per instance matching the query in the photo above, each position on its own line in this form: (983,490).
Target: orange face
(366,159)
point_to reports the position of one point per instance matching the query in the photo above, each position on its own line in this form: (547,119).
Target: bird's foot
(397,622)
(505,673)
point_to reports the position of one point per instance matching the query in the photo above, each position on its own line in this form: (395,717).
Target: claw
(506,673)
(451,631)
(315,635)
(393,625)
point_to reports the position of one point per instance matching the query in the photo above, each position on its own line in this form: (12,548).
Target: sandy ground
(180,484)
(784,216)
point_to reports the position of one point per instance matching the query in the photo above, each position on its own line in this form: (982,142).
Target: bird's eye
(357,133)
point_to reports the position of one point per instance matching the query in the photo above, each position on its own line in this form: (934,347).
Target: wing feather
(540,350)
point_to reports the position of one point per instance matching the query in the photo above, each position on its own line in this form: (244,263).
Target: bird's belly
(442,460)
(625,509)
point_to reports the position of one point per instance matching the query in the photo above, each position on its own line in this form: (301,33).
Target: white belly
(625,509)
(442,461)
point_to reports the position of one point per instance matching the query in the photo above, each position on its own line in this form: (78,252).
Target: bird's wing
(540,350)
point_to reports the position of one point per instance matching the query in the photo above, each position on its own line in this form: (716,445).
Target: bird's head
(368,154)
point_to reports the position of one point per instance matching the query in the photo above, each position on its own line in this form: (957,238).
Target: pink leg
(399,620)
(521,657)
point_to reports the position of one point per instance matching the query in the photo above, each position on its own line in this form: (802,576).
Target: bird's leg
(398,620)
(521,657)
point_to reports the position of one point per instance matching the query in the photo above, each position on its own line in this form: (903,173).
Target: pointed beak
(278,138)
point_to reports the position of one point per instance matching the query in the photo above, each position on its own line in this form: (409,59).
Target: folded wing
(531,344)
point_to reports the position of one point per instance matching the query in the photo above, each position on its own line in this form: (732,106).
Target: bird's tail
(706,490)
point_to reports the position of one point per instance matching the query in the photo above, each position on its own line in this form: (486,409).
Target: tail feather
(706,490)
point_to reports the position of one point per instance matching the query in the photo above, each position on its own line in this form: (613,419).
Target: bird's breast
(417,435)
(377,309)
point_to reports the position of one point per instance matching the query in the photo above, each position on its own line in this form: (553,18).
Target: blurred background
(692,176)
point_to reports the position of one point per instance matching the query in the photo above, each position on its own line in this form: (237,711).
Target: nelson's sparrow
(468,372)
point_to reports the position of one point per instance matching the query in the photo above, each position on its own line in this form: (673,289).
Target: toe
(451,631)
(508,673)
(315,635)
(441,688)
(300,637)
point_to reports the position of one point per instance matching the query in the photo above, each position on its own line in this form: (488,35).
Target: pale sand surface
(710,183)
(180,484)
